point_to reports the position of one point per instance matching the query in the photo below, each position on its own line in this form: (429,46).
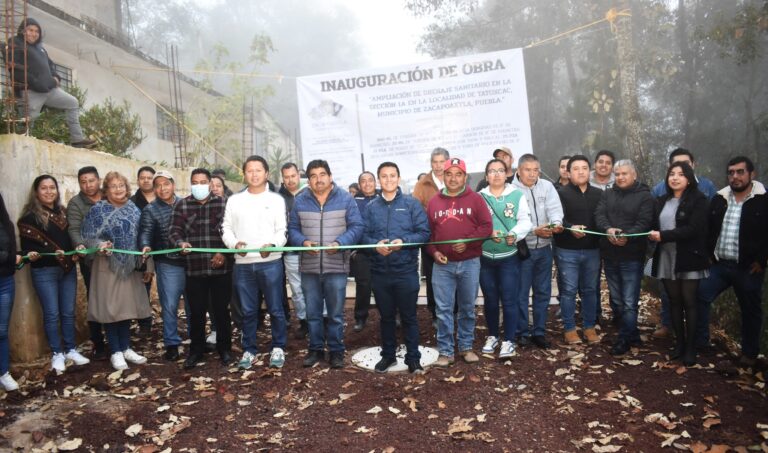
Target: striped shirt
(200,225)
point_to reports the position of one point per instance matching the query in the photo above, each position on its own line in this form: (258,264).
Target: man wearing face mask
(196,222)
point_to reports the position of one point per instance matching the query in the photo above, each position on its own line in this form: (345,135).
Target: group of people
(502,239)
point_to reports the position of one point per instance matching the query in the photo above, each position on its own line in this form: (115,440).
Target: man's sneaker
(571,337)
(131,356)
(247,361)
(84,143)
(384,364)
(415,367)
(277,358)
(118,361)
(77,358)
(661,332)
(337,360)
(507,349)
(443,361)
(490,345)
(312,358)
(540,341)
(359,325)
(591,336)
(8,383)
(58,363)
(620,348)
(469,357)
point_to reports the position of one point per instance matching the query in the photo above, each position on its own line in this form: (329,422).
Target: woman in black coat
(680,260)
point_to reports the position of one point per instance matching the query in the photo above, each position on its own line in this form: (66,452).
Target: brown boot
(591,336)
(661,332)
(571,337)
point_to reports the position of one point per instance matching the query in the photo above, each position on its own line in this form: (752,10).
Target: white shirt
(440,184)
(255,219)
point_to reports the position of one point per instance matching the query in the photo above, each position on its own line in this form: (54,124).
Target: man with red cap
(456,213)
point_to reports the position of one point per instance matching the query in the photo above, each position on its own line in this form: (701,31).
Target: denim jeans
(624,278)
(666,317)
(7,290)
(292,274)
(252,280)
(500,282)
(748,288)
(457,280)
(398,293)
(577,270)
(118,335)
(56,290)
(535,272)
(326,290)
(171,280)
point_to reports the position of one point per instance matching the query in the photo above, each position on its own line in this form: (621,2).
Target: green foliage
(739,36)
(115,128)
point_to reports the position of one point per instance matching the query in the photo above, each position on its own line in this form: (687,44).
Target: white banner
(468,105)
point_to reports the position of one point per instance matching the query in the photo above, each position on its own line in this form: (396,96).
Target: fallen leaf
(710,422)
(132,377)
(562,371)
(346,396)
(411,402)
(70,445)
(228,397)
(459,425)
(481,418)
(163,408)
(115,375)
(394,410)
(441,405)
(454,379)
(374,410)
(362,429)
(698,447)
(133,430)
(606,448)
(633,362)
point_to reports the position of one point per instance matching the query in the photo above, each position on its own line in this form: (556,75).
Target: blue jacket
(338,220)
(363,201)
(154,226)
(402,218)
(705,186)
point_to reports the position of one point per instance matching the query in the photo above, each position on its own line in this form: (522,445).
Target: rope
(611,16)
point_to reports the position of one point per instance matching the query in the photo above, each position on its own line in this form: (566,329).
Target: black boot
(302,331)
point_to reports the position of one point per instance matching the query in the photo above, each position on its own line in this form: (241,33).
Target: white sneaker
(77,358)
(277,358)
(58,363)
(211,338)
(247,361)
(8,382)
(131,356)
(490,345)
(118,361)
(507,349)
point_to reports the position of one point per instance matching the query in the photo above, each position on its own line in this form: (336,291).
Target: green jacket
(511,216)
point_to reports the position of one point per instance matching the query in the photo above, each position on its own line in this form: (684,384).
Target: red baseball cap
(455,162)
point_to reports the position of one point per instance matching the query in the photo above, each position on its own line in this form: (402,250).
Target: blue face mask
(201,191)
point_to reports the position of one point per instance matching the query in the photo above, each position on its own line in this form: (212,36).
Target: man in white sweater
(255,218)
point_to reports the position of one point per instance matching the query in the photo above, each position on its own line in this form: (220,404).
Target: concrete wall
(23,158)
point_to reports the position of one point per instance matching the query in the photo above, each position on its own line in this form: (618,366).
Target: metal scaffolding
(15,112)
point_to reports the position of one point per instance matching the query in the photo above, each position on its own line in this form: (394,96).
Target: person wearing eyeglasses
(737,242)
(117,293)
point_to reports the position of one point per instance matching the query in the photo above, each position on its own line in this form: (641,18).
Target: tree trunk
(689,81)
(630,107)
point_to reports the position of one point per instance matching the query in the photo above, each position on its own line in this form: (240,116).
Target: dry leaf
(453,379)
(346,396)
(228,397)
(606,448)
(363,430)
(481,418)
(562,371)
(70,445)
(132,377)
(710,422)
(633,362)
(133,430)
(411,402)
(163,408)
(698,447)
(460,425)
(441,405)
(394,410)
(374,410)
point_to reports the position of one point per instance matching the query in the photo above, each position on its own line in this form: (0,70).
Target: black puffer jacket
(631,210)
(7,243)
(41,74)
(690,233)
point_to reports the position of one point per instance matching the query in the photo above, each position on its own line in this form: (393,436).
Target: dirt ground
(568,398)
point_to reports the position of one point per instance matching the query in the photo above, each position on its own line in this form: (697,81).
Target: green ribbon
(90,251)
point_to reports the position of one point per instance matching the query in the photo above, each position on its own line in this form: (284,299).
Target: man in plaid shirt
(738,220)
(196,222)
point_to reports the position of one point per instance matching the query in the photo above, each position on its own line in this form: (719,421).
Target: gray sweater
(545,208)
(77,209)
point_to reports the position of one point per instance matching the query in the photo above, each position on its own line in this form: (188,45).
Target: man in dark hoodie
(625,208)
(35,79)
